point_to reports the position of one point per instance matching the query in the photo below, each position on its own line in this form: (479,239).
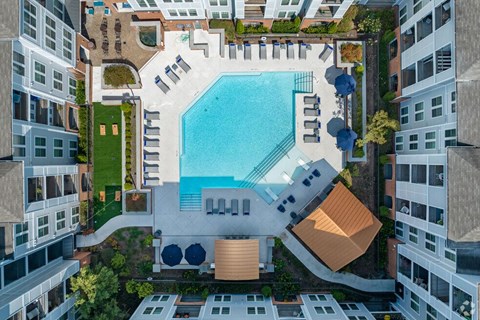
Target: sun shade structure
(237,259)
(195,254)
(345,84)
(172,255)
(346,139)
(340,229)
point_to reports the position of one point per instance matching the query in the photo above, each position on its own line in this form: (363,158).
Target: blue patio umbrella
(172,255)
(345,84)
(346,138)
(195,254)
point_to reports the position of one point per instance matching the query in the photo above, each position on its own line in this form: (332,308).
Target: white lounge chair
(276,50)
(263,51)
(290,53)
(247,52)
(302,162)
(302,53)
(287,178)
(272,194)
(232,49)
(182,64)
(162,85)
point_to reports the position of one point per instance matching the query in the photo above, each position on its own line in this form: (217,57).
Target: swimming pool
(235,131)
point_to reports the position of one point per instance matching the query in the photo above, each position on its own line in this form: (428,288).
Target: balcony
(35,189)
(408,38)
(409,76)
(393,49)
(402,205)
(419,210)
(435,215)
(58,116)
(420,276)
(462,303)
(72,117)
(332,1)
(435,175)
(419,173)
(38,110)
(70,184)
(444,58)
(325,12)
(54,187)
(36,310)
(20,108)
(402,172)
(55,297)
(256,2)
(443,14)
(405,266)
(290,311)
(425,68)
(187,312)
(440,289)
(424,27)
(254,12)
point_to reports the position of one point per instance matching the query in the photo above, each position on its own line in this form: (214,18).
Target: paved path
(119,222)
(321,271)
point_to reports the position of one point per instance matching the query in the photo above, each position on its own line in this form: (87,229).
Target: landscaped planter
(137,84)
(343,61)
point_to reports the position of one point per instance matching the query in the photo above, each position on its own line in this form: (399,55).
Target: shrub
(127,186)
(128,152)
(384,211)
(259,28)
(128,166)
(359,69)
(346,24)
(339,295)
(389,96)
(370,24)
(267,291)
(107,255)
(147,242)
(131,286)
(80,92)
(351,52)
(144,289)
(358,153)
(117,76)
(332,28)
(126,107)
(146,267)
(287,26)
(383,159)
(240,28)
(81,158)
(118,261)
(205,294)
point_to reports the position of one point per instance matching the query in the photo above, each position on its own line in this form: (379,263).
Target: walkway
(119,222)
(321,271)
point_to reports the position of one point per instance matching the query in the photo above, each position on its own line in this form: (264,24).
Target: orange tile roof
(340,229)
(237,259)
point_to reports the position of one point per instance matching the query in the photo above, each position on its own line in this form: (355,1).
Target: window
(437,107)
(148,310)
(254,298)
(58,9)
(76,219)
(67,44)
(60,220)
(404,115)
(430,140)
(215,15)
(419,111)
(18,63)
(419,173)
(282,14)
(414,302)
(39,72)
(21,233)
(399,228)
(417,5)
(256,310)
(450,255)
(18,145)
(57,148)
(317,297)
(403,15)
(450,137)
(50,34)
(222,298)
(40,147)
(172,13)
(453,99)
(57,80)
(324,310)
(285,2)
(30,19)
(215,310)
(225,15)
(413,142)
(430,241)
(399,143)
(182,12)
(213,2)
(192,12)
(224,2)
(42,226)
(72,87)
(142,3)
(431,313)
(413,234)
(220,310)
(72,148)
(151,3)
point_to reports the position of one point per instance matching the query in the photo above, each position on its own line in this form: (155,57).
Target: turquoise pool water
(232,127)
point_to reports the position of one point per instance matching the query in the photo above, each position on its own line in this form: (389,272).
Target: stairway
(304,82)
(191,202)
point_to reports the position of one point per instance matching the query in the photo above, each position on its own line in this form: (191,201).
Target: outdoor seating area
(221,208)
(277,48)
(171,73)
(172,255)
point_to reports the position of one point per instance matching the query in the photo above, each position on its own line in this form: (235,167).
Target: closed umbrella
(195,254)
(345,84)
(172,255)
(346,139)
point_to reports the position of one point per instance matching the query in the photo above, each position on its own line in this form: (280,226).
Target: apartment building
(254,306)
(251,11)
(434,192)
(38,170)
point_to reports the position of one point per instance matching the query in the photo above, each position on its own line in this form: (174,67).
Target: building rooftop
(6,110)
(9,20)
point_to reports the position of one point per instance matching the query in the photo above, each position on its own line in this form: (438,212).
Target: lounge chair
(102,129)
(311,112)
(246,207)
(234,205)
(311,138)
(151,142)
(307,182)
(327,51)
(115,129)
(247,53)
(311,100)
(272,194)
(221,206)
(151,181)
(209,206)
(151,168)
(232,50)
(281,208)
(152,131)
(276,50)
(162,85)
(287,178)
(290,53)
(182,64)
(291,199)
(316,173)
(152,156)
(311,124)
(172,75)
(151,115)
(302,162)
(263,51)
(302,53)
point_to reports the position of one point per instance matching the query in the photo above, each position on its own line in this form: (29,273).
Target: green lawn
(107,162)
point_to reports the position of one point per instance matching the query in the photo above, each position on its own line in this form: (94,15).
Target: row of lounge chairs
(314,125)
(221,208)
(277,46)
(151,147)
(171,74)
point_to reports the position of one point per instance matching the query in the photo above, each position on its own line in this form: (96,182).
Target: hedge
(287,26)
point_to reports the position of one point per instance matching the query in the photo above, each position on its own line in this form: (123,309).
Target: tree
(267,291)
(379,126)
(131,286)
(240,28)
(97,290)
(118,260)
(144,289)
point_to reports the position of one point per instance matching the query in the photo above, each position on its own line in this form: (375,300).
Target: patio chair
(182,64)
(150,168)
(151,131)
(302,53)
(290,53)
(102,129)
(263,51)
(287,178)
(118,195)
(311,124)
(291,199)
(102,196)
(272,194)
(281,208)
(153,143)
(234,205)
(115,129)
(276,50)
(221,206)
(232,51)
(311,138)
(172,75)
(247,53)
(327,51)
(311,112)
(151,156)
(152,115)
(304,165)
(311,100)
(162,85)
(316,173)
(246,207)
(209,206)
